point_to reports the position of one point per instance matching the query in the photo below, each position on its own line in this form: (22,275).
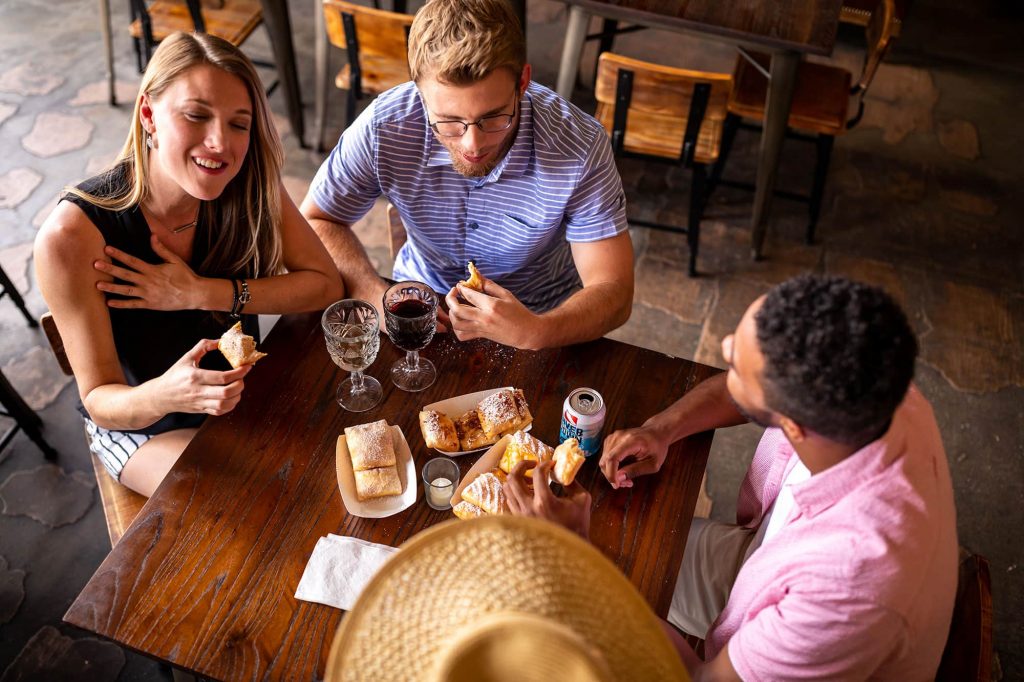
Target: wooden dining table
(204,578)
(786,29)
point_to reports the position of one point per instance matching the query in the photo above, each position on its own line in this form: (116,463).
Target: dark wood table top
(205,576)
(805,26)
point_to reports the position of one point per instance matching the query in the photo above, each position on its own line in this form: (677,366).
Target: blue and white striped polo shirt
(557,184)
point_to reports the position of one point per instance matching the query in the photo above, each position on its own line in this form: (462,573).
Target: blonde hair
(461,42)
(247,238)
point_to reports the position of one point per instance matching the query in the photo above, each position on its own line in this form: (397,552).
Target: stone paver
(42,214)
(98,163)
(98,93)
(656,329)
(29,79)
(37,377)
(6,111)
(12,590)
(296,187)
(959,138)
(49,655)
(660,284)
(17,185)
(47,495)
(734,297)
(901,101)
(976,337)
(54,134)
(14,260)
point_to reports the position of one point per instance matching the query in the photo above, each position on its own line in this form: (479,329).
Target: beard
(762,418)
(477,170)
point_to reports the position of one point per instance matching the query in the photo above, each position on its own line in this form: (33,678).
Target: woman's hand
(187,388)
(526,498)
(171,285)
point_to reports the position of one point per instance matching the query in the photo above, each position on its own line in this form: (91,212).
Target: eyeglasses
(488,124)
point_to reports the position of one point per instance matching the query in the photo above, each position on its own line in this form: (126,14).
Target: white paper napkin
(339,569)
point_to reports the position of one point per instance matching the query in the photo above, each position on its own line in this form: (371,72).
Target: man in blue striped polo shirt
(484,165)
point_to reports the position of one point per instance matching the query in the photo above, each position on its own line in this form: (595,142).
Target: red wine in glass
(413,324)
(410,314)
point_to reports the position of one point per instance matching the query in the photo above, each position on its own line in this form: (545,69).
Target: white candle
(440,492)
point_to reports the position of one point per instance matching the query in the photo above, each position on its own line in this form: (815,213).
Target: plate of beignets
(375,469)
(474,421)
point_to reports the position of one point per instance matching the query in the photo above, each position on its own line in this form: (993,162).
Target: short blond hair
(461,42)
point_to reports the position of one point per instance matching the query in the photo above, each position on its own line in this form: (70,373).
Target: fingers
(212,377)
(131,261)
(616,448)
(163,251)
(477,299)
(517,489)
(443,322)
(542,494)
(641,467)
(116,271)
(132,290)
(197,352)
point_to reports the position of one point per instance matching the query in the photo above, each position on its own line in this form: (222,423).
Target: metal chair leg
(697,189)
(729,129)
(350,108)
(824,146)
(7,288)
(24,418)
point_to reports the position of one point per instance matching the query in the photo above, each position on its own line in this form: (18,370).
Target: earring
(149,140)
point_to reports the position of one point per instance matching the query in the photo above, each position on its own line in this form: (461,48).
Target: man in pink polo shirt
(842,563)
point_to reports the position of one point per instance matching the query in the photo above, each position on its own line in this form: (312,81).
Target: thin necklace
(181,228)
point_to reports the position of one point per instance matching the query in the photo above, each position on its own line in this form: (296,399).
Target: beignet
(439,431)
(382,482)
(238,347)
(471,435)
(464,510)
(522,446)
(568,459)
(370,445)
(486,492)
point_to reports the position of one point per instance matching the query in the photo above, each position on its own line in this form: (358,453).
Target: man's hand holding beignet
(492,313)
(526,497)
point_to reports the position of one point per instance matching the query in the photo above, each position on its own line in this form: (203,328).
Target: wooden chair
(375,41)
(968,653)
(232,20)
(396,231)
(668,115)
(820,107)
(120,504)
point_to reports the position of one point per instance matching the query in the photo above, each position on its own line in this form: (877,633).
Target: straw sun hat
(501,598)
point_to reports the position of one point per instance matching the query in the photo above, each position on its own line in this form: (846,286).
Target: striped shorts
(113,447)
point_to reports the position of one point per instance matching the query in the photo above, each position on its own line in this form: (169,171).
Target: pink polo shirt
(859,582)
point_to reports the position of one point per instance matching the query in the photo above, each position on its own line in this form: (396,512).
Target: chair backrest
(660,105)
(880,31)
(968,653)
(397,235)
(378,32)
(56,343)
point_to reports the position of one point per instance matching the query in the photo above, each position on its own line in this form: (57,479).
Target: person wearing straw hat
(484,165)
(843,560)
(501,599)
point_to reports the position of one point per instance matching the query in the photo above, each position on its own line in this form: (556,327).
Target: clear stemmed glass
(410,314)
(352,332)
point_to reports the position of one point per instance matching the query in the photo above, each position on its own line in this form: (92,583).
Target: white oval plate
(460,405)
(379,507)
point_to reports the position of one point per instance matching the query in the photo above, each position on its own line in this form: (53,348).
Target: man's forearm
(588,314)
(361,280)
(707,406)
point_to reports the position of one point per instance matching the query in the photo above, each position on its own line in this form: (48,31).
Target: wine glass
(410,313)
(352,332)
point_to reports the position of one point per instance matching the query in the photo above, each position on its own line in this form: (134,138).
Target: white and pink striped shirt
(860,581)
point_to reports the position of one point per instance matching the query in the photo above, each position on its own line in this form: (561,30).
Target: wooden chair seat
(660,105)
(120,504)
(233,22)
(820,100)
(378,74)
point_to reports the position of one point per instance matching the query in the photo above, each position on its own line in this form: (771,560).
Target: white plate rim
(466,401)
(380,507)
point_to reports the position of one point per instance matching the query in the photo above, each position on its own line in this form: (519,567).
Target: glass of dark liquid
(410,314)
(352,333)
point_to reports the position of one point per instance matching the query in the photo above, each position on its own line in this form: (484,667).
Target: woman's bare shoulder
(68,233)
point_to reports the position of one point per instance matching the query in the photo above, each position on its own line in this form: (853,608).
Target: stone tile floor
(921,200)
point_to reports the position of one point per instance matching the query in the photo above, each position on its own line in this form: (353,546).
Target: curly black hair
(839,356)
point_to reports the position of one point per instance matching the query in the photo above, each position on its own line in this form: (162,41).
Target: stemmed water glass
(352,333)
(410,314)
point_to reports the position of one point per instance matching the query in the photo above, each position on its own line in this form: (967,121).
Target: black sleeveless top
(148,342)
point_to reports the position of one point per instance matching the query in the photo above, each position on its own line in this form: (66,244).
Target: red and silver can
(583,418)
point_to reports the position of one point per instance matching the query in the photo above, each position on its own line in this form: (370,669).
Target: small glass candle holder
(440,478)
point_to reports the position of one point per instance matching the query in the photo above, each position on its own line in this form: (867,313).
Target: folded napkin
(339,569)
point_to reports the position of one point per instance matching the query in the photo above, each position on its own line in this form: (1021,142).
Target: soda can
(583,418)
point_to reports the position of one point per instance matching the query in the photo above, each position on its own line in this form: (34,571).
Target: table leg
(320,73)
(575,33)
(780,98)
(108,45)
(275,13)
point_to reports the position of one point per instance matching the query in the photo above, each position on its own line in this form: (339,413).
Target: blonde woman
(145,265)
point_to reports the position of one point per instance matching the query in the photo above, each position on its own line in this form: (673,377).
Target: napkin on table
(339,569)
